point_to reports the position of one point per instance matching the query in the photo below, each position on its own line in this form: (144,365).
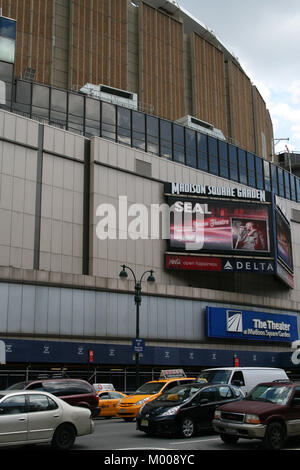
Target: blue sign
(250,325)
(138,345)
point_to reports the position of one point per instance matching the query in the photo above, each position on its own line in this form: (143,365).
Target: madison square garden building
(130,136)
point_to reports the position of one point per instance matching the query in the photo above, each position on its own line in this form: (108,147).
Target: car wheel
(274,437)
(64,437)
(187,427)
(228,439)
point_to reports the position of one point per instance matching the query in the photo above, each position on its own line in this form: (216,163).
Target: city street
(115,434)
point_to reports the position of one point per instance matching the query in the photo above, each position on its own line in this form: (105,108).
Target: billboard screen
(219,226)
(7,39)
(284,241)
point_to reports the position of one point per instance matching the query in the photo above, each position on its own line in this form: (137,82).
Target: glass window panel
(233,167)
(223,158)
(76,103)
(267,175)
(108,121)
(293,188)
(274,178)
(40,112)
(202,148)
(138,130)
(92,109)
(190,148)
(280,182)
(251,169)
(165,139)
(178,136)
(124,125)
(259,173)
(152,126)
(40,96)
(298,188)
(287,184)
(59,100)
(23,92)
(58,119)
(6,72)
(242,166)
(213,156)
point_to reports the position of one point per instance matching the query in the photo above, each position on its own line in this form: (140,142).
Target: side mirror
(296,402)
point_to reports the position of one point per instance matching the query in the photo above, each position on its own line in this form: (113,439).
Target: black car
(185,409)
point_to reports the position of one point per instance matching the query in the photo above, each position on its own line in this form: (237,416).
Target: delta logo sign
(250,325)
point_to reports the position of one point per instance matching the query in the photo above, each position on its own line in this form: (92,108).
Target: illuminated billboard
(284,240)
(219,226)
(7,39)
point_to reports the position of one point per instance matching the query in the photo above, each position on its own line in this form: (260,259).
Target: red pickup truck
(270,412)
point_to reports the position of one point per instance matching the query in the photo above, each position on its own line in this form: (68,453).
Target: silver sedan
(28,417)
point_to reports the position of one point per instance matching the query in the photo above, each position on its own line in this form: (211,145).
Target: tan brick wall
(208,79)
(34,35)
(161,63)
(99,43)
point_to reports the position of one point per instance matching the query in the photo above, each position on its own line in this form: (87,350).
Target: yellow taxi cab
(108,400)
(129,406)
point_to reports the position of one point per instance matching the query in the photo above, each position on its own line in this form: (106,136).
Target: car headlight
(171,411)
(252,419)
(217,414)
(142,401)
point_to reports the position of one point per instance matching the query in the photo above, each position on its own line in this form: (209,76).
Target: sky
(265,37)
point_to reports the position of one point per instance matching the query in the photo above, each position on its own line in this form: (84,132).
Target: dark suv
(74,391)
(270,412)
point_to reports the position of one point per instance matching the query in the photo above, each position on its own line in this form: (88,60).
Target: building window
(124,125)
(178,136)
(202,146)
(190,148)
(233,166)
(165,139)
(138,130)
(280,182)
(274,179)
(251,170)
(223,158)
(92,117)
(58,108)
(259,172)
(267,175)
(152,126)
(242,166)
(213,163)
(75,113)
(298,189)
(108,121)
(293,188)
(40,101)
(287,184)
(23,97)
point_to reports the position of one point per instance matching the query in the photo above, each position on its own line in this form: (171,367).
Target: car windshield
(278,394)
(17,386)
(215,376)
(149,388)
(178,394)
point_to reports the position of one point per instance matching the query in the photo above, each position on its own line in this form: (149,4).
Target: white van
(244,377)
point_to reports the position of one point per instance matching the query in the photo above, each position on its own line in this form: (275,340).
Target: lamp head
(151,278)
(123,274)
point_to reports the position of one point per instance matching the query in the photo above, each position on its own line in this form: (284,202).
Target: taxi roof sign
(172,374)
(100,387)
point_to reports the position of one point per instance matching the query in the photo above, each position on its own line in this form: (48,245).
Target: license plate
(144,422)
(122,410)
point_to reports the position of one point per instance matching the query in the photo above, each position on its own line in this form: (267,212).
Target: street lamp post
(138,300)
